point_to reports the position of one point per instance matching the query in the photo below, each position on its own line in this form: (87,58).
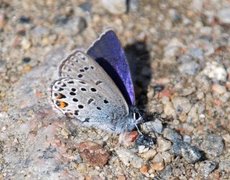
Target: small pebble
(144,169)
(225,165)
(149,154)
(93,153)
(26,59)
(167,156)
(213,145)
(173,48)
(166,173)
(163,144)
(172,135)
(142,149)
(129,158)
(174,15)
(145,140)
(190,153)
(24,20)
(196,53)
(215,71)
(206,167)
(26,44)
(223,15)
(157,166)
(168,109)
(181,104)
(152,126)
(219,89)
(115,7)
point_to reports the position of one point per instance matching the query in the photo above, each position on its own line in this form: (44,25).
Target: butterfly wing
(108,52)
(87,93)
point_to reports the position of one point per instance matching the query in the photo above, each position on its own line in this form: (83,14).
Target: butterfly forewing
(86,92)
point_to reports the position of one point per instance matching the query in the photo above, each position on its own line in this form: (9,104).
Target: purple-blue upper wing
(108,52)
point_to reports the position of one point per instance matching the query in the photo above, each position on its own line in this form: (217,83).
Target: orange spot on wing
(61,104)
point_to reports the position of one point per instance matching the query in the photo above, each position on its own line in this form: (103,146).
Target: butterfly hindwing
(86,92)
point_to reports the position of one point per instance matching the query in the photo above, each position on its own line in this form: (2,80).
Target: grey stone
(225,165)
(188,64)
(196,53)
(213,145)
(172,135)
(129,158)
(223,15)
(115,7)
(181,104)
(206,167)
(152,126)
(190,153)
(163,144)
(166,173)
(215,71)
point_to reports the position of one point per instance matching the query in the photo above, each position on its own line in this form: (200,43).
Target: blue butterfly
(96,88)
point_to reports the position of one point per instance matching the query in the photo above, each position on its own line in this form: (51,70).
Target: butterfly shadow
(138,57)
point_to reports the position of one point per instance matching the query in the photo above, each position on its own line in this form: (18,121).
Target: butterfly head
(130,122)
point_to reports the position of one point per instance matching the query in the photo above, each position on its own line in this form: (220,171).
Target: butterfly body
(87,93)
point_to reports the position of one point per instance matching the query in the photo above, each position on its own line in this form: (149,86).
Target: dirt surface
(179,54)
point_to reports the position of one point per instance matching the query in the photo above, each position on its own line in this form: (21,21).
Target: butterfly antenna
(138,130)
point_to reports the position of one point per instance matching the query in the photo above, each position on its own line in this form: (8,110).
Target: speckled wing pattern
(108,52)
(86,92)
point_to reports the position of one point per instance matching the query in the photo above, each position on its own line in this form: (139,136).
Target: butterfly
(95,87)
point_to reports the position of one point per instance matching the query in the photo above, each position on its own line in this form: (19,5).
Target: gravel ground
(179,56)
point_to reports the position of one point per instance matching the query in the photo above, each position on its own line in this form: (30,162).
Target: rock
(224,165)
(167,157)
(93,153)
(152,126)
(189,67)
(145,140)
(26,44)
(129,158)
(213,145)
(172,135)
(142,149)
(206,167)
(196,53)
(197,5)
(166,173)
(181,104)
(173,48)
(219,89)
(115,7)
(187,139)
(190,153)
(144,169)
(174,15)
(223,15)
(163,145)
(215,71)
(157,163)
(157,166)
(24,20)
(149,154)
(168,107)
